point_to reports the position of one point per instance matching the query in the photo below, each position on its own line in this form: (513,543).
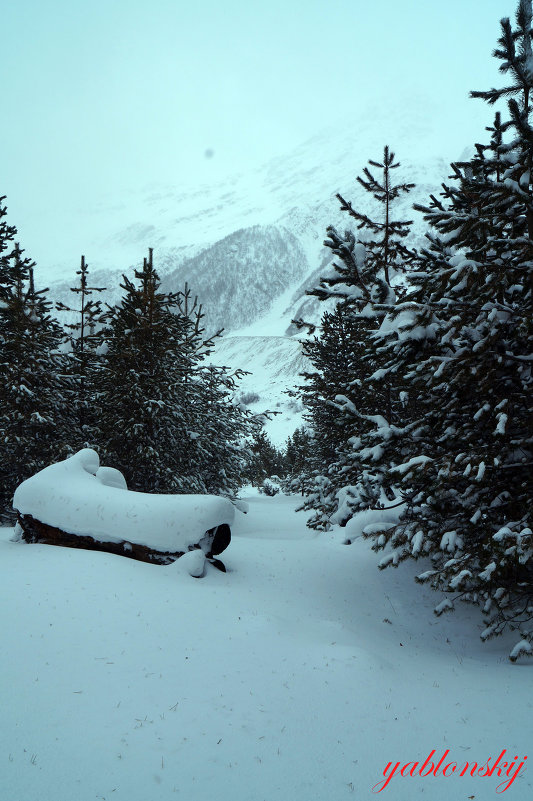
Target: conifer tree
(7,237)
(265,461)
(297,451)
(336,358)
(32,436)
(463,340)
(226,430)
(338,395)
(370,263)
(299,457)
(168,421)
(84,338)
(145,388)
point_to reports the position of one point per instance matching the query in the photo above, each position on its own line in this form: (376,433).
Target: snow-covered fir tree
(146,383)
(299,453)
(370,262)
(337,394)
(7,238)
(297,450)
(224,431)
(167,421)
(83,359)
(335,355)
(265,460)
(463,340)
(224,426)
(31,393)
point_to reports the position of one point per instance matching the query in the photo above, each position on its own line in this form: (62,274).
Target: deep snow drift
(80,497)
(297,676)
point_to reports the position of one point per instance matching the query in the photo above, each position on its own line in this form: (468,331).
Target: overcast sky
(102,95)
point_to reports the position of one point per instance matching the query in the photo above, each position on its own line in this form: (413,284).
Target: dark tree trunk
(213,542)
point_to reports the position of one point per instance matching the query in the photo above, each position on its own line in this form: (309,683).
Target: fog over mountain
(249,246)
(295,193)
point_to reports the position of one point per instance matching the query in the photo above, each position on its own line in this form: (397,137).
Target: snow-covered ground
(296,676)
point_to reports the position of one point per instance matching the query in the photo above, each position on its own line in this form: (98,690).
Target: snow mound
(192,563)
(80,497)
(111,477)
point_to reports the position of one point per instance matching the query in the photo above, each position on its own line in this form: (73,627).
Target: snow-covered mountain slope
(274,364)
(299,674)
(237,278)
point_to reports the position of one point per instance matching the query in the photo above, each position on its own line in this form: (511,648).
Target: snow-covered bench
(78,504)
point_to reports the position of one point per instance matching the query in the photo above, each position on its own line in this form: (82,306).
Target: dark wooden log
(221,539)
(213,542)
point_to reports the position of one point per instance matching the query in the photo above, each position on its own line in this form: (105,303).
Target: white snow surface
(299,674)
(80,497)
